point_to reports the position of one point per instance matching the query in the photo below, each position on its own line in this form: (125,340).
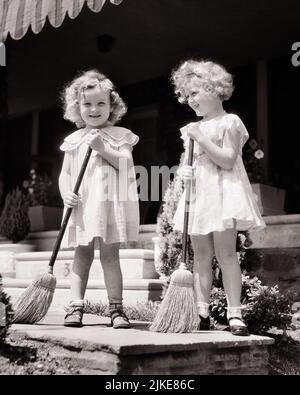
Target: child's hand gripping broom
(35,301)
(178,311)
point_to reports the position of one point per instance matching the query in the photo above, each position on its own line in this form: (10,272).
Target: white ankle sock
(115,305)
(76,302)
(203,309)
(235,311)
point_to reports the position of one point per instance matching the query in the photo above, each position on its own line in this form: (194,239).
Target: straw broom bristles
(35,301)
(178,310)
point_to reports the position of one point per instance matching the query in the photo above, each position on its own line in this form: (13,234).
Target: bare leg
(225,247)
(110,260)
(83,259)
(203,255)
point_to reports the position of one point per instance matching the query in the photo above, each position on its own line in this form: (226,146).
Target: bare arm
(64,182)
(117,158)
(113,157)
(225,156)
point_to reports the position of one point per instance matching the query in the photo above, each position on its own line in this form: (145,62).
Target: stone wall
(275,253)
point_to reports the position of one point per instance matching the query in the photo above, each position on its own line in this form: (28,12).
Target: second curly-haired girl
(222,200)
(105,212)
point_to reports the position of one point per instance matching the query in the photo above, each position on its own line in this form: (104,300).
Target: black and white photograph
(149,190)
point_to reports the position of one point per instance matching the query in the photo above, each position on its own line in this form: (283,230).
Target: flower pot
(44,218)
(270,200)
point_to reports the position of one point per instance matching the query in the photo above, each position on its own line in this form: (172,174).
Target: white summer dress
(220,199)
(109,201)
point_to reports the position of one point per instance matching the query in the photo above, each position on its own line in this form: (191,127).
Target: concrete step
(282,231)
(140,280)
(44,241)
(98,349)
(8,252)
(134,290)
(275,253)
(279,266)
(135,264)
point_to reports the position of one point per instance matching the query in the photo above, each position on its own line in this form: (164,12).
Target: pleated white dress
(109,201)
(220,199)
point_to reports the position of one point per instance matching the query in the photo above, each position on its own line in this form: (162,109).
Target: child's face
(200,102)
(95,107)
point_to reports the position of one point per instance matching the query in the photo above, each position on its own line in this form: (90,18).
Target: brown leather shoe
(74,315)
(119,320)
(204,324)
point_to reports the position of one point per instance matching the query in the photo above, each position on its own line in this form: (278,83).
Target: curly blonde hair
(88,80)
(211,77)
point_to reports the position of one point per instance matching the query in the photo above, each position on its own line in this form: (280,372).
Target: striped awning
(17,15)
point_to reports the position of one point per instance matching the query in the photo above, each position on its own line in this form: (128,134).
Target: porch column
(3,133)
(35,133)
(262,125)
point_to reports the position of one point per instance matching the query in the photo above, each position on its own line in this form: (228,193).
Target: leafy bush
(14,220)
(265,307)
(38,189)
(170,240)
(252,156)
(6,313)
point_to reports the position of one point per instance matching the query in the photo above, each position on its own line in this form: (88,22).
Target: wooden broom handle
(187,205)
(69,210)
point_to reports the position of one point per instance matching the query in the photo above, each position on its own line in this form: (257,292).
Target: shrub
(170,240)
(14,220)
(252,156)
(6,313)
(265,306)
(38,189)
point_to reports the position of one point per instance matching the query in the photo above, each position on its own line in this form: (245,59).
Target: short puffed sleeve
(184,137)
(119,137)
(234,127)
(73,141)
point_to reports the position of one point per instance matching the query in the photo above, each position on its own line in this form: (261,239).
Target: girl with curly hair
(105,212)
(222,201)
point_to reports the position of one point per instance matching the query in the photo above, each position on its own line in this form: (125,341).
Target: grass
(145,311)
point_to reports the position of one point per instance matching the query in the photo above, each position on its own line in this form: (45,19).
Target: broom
(35,301)
(178,311)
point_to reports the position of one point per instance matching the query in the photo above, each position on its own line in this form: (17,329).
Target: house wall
(150,38)
(153,113)
(284,120)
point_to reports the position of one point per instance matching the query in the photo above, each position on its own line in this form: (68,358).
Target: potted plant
(14,220)
(42,213)
(14,228)
(270,199)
